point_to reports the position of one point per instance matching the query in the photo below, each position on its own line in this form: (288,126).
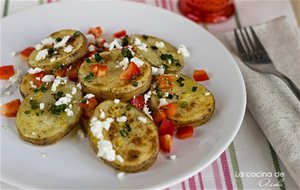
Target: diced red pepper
(120,34)
(10,109)
(6,72)
(98,70)
(166,142)
(159,116)
(130,72)
(200,75)
(185,132)
(97,31)
(88,107)
(37,78)
(165,81)
(61,72)
(25,53)
(72,71)
(170,109)
(167,127)
(138,102)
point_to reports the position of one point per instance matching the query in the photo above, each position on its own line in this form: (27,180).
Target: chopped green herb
(58,39)
(27,112)
(89,77)
(170,57)
(135,84)
(154,48)
(59,66)
(194,89)
(180,80)
(77,33)
(128,107)
(34,104)
(127,53)
(145,37)
(160,93)
(164,57)
(88,60)
(125,41)
(51,51)
(165,66)
(37,113)
(36,90)
(125,130)
(98,58)
(56,110)
(183,104)
(181,84)
(84,100)
(170,96)
(43,89)
(58,95)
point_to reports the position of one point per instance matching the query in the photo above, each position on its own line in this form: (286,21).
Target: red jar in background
(207,11)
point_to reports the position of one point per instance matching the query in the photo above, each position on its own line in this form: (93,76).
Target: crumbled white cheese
(48,41)
(147,96)
(121,119)
(124,63)
(142,119)
(92,48)
(140,45)
(38,47)
(48,78)
(166,94)
(52,59)
(159,44)
(120,175)
(183,51)
(13,54)
(96,128)
(90,38)
(158,71)
(69,112)
(172,157)
(80,133)
(70,106)
(62,43)
(119,158)
(106,45)
(115,44)
(34,70)
(68,49)
(74,90)
(42,106)
(57,82)
(88,96)
(42,54)
(162,102)
(147,111)
(137,61)
(16,77)
(102,114)
(32,84)
(116,101)
(64,100)
(79,86)
(106,151)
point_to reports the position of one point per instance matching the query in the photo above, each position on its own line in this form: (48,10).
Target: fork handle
(290,84)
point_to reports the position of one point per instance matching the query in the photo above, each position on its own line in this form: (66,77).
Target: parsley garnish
(170,96)
(56,110)
(77,33)
(128,107)
(51,51)
(145,37)
(160,93)
(127,53)
(58,39)
(43,89)
(194,89)
(88,60)
(183,104)
(27,112)
(36,90)
(154,48)
(89,77)
(34,104)
(180,81)
(125,41)
(58,95)
(135,84)
(125,130)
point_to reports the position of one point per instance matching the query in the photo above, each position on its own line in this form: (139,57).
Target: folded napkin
(270,101)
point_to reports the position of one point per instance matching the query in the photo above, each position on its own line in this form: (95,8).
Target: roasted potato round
(44,117)
(60,49)
(133,136)
(158,52)
(195,104)
(110,85)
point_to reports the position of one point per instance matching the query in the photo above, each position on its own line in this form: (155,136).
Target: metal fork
(254,55)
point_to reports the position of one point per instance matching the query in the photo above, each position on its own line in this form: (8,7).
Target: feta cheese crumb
(137,61)
(80,133)
(32,84)
(116,101)
(39,47)
(48,78)
(147,111)
(121,119)
(119,158)
(34,70)
(102,114)
(79,86)
(88,96)
(42,106)
(64,100)
(115,44)
(106,151)
(183,51)
(74,91)
(106,45)
(120,175)
(142,119)
(52,59)
(172,157)
(42,54)
(90,38)
(57,82)
(162,102)
(159,44)
(92,48)
(124,63)
(62,43)
(140,45)
(68,49)
(158,71)
(69,112)
(48,41)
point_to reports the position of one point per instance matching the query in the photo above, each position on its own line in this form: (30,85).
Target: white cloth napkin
(270,101)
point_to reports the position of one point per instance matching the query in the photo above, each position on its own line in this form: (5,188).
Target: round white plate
(71,163)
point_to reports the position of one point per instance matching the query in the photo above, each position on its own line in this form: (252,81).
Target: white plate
(71,163)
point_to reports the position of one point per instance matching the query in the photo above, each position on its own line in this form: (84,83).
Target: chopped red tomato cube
(166,142)
(37,78)
(97,31)
(119,34)
(167,127)
(165,81)
(6,72)
(200,75)
(159,116)
(138,102)
(98,70)
(170,109)
(72,71)
(10,109)
(25,53)
(88,107)
(130,72)
(185,132)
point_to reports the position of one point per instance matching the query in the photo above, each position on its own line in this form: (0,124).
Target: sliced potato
(135,141)
(195,103)
(111,86)
(165,55)
(40,122)
(62,58)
